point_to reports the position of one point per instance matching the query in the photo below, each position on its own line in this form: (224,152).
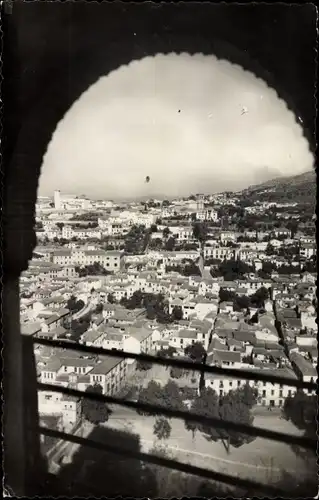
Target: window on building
(272,392)
(264,394)
(47,397)
(221,392)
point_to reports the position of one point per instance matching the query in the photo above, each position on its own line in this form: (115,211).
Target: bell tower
(200,202)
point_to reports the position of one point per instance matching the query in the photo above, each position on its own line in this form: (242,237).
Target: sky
(193,124)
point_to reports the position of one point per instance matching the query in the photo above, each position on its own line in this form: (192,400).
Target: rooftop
(105,366)
(30,328)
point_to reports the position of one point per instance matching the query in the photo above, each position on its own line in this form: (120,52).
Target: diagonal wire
(187,365)
(304,442)
(167,462)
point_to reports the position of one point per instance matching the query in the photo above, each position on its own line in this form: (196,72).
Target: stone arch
(44,114)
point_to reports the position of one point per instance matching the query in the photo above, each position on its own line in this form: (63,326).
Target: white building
(269,394)
(217,252)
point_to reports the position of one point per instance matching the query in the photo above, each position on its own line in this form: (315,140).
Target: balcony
(29,472)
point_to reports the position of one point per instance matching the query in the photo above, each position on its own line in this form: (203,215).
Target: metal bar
(184,415)
(187,365)
(169,463)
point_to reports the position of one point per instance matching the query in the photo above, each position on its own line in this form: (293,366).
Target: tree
(149,395)
(267,269)
(233,408)
(79,305)
(301,410)
(150,312)
(170,244)
(248,395)
(191,270)
(71,303)
(168,396)
(162,428)
(205,405)
(171,396)
(99,308)
(200,231)
(94,411)
(258,299)
(110,298)
(134,302)
(78,328)
(195,351)
(166,232)
(234,269)
(166,353)
(143,365)
(60,225)
(177,313)
(241,302)
(270,250)
(226,295)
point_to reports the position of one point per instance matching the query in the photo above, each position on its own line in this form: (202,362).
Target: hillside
(300,188)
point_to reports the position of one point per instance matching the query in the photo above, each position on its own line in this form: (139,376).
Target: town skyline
(163,196)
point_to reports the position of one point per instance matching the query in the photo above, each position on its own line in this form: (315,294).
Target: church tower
(200,202)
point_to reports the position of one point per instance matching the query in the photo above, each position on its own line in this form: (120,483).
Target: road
(261,459)
(83,311)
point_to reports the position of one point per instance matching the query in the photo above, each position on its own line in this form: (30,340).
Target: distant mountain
(300,188)
(292,180)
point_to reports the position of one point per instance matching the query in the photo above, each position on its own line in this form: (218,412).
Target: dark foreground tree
(177,313)
(205,405)
(301,409)
(233,409)
(95,411)
(195,351)
(162,428)
(111,298)
(143,365)
(168,396)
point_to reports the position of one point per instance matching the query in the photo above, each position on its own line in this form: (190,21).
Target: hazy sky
(191,123)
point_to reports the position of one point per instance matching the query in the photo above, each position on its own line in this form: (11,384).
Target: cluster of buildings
(279,338)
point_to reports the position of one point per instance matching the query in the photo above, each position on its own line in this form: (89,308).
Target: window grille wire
(187,365)
(238,482)
(155,409)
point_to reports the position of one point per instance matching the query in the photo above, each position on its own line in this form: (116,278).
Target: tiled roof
(30,328)
(216,344)
(107,364)
(91,335)
(226,356)
(303,364)
(186,334)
